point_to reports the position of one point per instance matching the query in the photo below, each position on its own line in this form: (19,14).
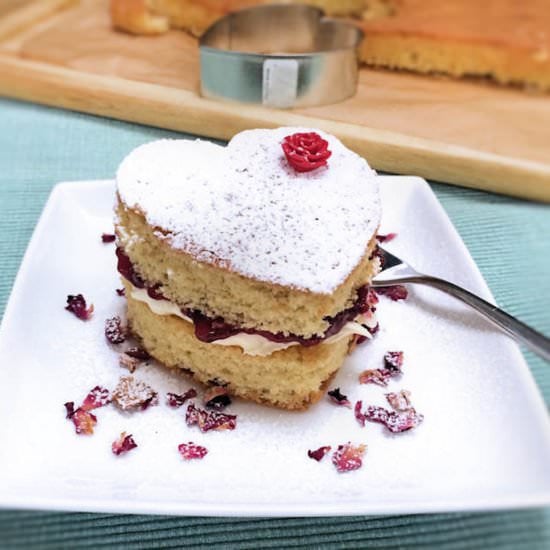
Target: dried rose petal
(395,292)
(373,330)
(132,394)
(400,401)
(209,420)
(97,397)
(393,360)
(380,377)
(338,398)
(361,418)
(177,400)
(188,451)
(114,331)
(84,421)
(108,238)
(348,457)
(69,407)
(386,238)
(123,444)
(127,362)
(216,397)
(138,353)
(396,422)
(76,304)
(319,454)
(121,291)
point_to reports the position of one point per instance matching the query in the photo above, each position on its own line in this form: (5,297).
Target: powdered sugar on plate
(243,206)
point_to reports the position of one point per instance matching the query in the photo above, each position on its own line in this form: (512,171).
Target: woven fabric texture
(508,238)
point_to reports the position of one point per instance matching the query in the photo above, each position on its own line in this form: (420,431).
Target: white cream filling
(254,344)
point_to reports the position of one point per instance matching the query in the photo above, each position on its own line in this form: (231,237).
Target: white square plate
(484,443)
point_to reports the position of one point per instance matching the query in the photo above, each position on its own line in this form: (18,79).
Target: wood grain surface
(469,133)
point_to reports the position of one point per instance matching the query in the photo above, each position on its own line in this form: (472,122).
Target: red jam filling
(208,329)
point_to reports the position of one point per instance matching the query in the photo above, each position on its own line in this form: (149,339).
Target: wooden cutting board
(65,53)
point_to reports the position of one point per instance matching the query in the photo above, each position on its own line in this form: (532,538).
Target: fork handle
(534,340)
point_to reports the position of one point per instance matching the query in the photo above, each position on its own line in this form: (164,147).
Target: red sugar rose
(306,151)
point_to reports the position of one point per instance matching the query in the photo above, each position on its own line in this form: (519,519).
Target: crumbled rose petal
(97,397)
(123,444)
(348,457)
(76,304)
(209,420)
(132,394)
(338,398)
(400,401)
(319,454)
(386,238)
(128,362)
(360,417)
(114,331)
(69,407)
(177,400)
(138,353)
(216,397)
(108,238)
(395,292)
(188,451)
(393,360)
(121,291)
(380,377)
(396,422)
(84,421)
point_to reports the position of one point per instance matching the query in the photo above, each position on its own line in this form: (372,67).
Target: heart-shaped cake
(249,264)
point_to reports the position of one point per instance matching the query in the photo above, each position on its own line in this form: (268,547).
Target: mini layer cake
(248,265)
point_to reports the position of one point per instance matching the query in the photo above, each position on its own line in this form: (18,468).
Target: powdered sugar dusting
(245,207)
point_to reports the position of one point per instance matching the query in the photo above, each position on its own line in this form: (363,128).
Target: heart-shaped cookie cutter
(279,55)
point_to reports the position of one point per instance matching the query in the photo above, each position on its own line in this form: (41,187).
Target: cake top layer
(244,208)
(508,23)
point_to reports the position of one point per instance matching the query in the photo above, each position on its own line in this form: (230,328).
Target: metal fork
(395,272)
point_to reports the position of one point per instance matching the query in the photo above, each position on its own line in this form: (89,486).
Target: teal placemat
(509,239)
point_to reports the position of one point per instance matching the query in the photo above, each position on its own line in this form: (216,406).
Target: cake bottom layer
(293,378)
